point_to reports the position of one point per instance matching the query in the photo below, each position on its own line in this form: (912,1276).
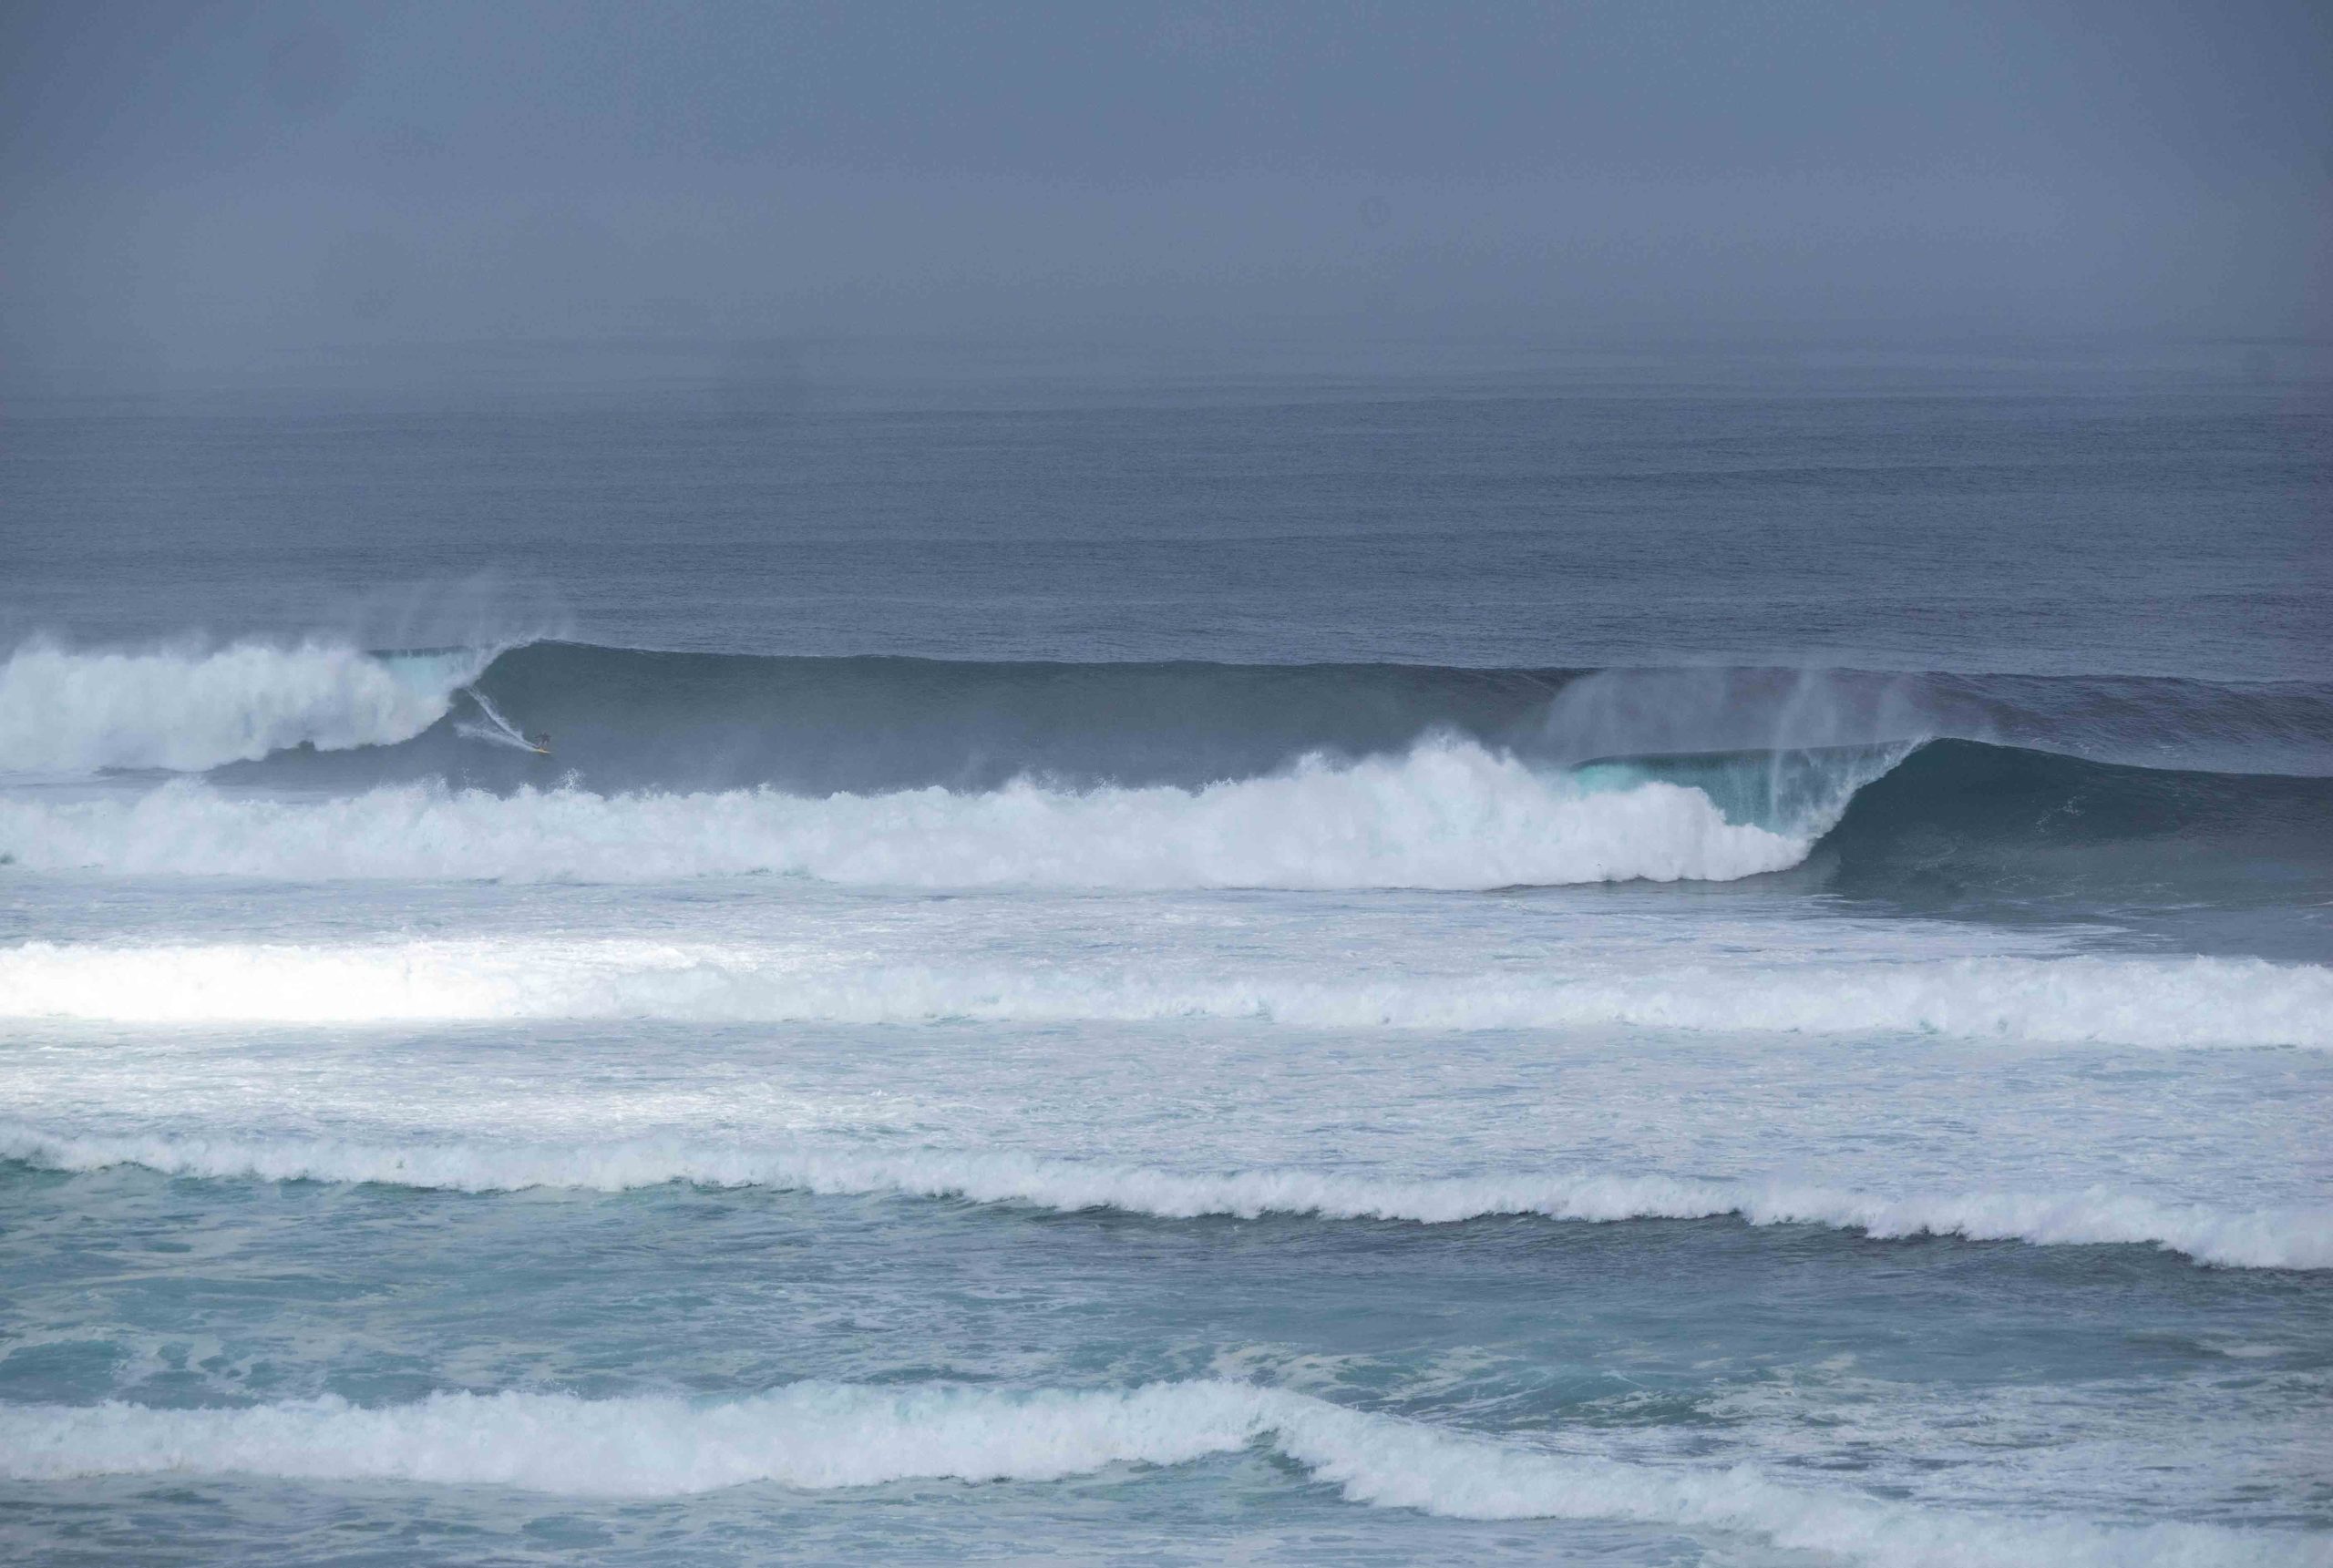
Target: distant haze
(194,194)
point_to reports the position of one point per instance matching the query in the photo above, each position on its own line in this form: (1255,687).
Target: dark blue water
(2039,517)
(1655,960)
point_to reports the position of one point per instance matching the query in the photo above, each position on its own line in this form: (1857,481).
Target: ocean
(1646,959)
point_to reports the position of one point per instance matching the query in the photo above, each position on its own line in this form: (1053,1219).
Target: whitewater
(189,707)
(2146,1001)
(818,1437)
(2281,1238)
(1372,990)
(1515,973)
(1442,816)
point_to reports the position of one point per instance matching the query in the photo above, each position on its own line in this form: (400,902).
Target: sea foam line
(2291,1237)
(2168,1002)
(819,1435)
(71,710)
(1447,815)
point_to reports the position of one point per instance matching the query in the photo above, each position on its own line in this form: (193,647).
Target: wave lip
(636,720)
(66,710)
(2157,1003)
(1448,814)
(2289,1238)
(819,1435)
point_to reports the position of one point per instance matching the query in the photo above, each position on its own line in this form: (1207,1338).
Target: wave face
(1954,823)
(2144,1002)
(2231,862)
(2288,1238)
(1962,799)
(1933,791)
(1446,816)
(823,1436)
(623,720)
(65,710)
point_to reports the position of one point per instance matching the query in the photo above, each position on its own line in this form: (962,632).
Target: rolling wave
(2287,1238)
(67,711)
(1448,814)
(2157,1003)
(625,720)
(1929,790)
(821,1436)
(322,713)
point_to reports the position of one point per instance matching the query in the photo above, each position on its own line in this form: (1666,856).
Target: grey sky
(223,186)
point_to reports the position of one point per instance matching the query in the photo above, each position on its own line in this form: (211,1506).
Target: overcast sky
(186,187)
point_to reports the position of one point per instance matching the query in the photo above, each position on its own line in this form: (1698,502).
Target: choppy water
(1659,968)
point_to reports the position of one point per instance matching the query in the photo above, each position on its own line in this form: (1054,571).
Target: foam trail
(2294,1237)
(821,1436)
(2161,1002)
(497,729)
(1449,814)
(65,710)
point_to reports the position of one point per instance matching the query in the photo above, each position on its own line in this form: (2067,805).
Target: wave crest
(816,1436)
(1448,814)
(2289,1237)
(66,710)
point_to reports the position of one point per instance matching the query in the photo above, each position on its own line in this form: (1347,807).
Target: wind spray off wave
(1032,1011)
(72,711)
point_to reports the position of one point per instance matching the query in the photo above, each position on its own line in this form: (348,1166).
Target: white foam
(816,1436)
(1446,816)
(68,711)
(2147,1002)
(2291,1237)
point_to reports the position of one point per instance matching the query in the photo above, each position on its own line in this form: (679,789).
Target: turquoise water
(1648,969)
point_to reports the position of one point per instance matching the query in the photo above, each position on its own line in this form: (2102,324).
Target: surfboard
(497,729)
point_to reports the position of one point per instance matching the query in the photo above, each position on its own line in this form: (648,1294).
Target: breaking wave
(2289,1237)
(1448,814)
(1934,790)
(2167,1002)
(627,720)
(68,711)
(819,1436)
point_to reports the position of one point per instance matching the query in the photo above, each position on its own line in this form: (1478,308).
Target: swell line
(2287,1238)
(2145,1001)
(824,1436)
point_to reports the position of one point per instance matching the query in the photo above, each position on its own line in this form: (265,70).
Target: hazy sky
(195,187)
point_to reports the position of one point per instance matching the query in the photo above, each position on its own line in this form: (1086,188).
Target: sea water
(1675,961)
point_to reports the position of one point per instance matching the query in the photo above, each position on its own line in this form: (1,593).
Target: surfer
(540,743)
